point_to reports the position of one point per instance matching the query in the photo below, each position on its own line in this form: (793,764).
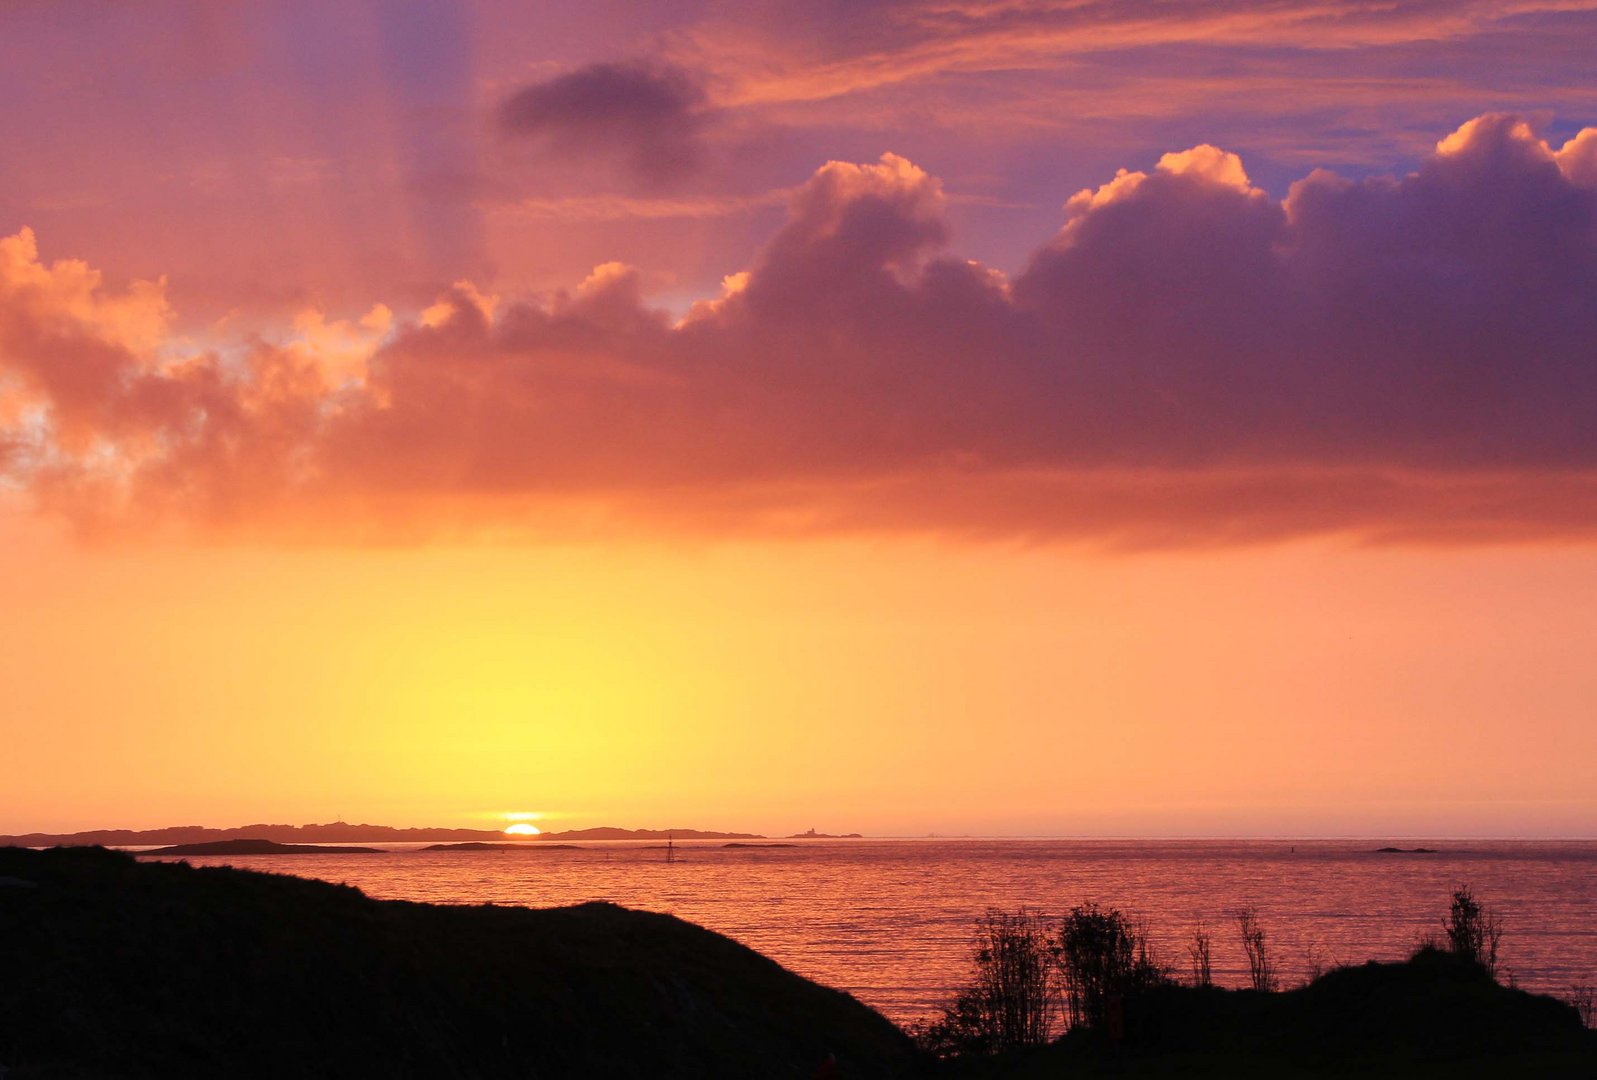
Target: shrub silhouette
(1584,997)
(1013,999)
(1473,931)
(1103,958)
(1261,970)
(1198,952)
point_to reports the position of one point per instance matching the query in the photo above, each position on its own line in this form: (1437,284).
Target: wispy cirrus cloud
(615,207)
(758,55)
(1351,84)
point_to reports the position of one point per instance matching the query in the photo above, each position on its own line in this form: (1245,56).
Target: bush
(1261,970)
(1198,952)
(1103,957)
(1582,996)
(1012,1001)
(1473,931)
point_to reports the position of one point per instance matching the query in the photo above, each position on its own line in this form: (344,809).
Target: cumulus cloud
(650,117)
(1578,158)
(1187,360)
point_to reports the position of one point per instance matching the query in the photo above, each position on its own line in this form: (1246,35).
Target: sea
(893,922)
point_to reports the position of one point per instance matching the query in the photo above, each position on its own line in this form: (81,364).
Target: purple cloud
(1188,360)
(652,117)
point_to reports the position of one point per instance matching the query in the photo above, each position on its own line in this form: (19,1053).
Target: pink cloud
(1188,360)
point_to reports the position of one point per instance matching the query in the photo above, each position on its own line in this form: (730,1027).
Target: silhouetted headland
(115,967)
(255,846)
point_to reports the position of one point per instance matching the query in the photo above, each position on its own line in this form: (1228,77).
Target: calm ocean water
(891,921)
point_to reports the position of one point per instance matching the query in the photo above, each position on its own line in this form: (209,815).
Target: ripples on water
(891,921)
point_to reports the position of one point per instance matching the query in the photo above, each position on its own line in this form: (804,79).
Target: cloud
(651,117)
(779,51)
(1188,360)
(626,208)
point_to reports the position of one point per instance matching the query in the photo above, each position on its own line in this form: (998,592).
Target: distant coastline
(259,847)
(343,832)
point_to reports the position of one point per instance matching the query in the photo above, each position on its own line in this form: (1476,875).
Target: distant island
(337,832)
(510,845)
(813,835)
(606,832)
(1405,851)
(342,832)
(254,846)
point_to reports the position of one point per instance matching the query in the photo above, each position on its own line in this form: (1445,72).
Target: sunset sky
(960,416)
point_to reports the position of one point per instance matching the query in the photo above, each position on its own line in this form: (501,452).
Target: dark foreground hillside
(113,968)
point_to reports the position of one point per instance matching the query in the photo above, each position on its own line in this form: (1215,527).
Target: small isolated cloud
(650,117)
(1187,360)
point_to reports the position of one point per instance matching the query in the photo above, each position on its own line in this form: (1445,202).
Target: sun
(521,828)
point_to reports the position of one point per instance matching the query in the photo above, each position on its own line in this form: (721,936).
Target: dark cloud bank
(1188,361)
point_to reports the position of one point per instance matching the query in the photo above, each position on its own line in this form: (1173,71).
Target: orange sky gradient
(966,418)
(897,687)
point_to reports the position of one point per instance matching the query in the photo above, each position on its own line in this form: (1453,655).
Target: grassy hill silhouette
(118,968)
